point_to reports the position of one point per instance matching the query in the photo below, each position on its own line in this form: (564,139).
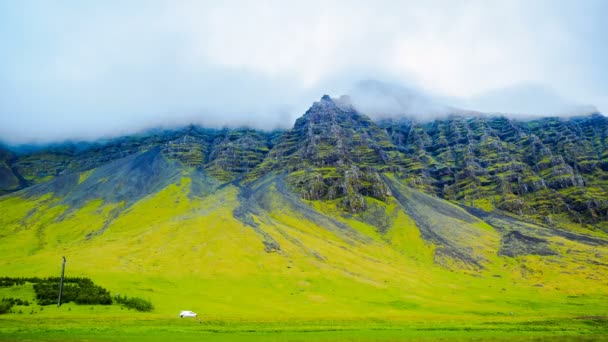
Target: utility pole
(61,282)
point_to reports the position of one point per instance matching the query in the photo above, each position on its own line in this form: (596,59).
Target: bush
(15,301)
(8,281)
(136,303)
(5,307)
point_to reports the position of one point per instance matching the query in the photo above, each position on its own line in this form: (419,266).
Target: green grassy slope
(260,252)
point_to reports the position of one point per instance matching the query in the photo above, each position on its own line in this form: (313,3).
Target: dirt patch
(515,244)
(412,201)
(505,224)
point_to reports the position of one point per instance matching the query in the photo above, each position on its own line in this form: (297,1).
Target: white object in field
(187,313)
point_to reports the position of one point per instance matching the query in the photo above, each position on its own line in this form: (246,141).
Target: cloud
(385,100)
(527,100)
(84,70)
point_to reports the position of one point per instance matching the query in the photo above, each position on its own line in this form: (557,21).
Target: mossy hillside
(403,257)
(41,167)
(237,152)
(188,149)
(509,162)
(193,146)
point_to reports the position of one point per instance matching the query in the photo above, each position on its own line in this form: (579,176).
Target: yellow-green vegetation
(84,175)
(192,253)
(74,323)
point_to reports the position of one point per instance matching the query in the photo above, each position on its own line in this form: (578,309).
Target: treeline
(75,289)
(80,290)
(15,301)
(8,281)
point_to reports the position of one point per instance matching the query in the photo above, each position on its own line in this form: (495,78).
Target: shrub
(5,307)
(7,303)
(136,303)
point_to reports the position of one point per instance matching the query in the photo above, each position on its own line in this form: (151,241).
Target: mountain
(339,217)
(550,170)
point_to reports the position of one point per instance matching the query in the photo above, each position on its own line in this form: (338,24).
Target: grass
(96,324)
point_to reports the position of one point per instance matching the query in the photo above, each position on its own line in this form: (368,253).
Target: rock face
(226,154)
(547,170)
(235,153)
(8,180)
(531,168)
(334,152)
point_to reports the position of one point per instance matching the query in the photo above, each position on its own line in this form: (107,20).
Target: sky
(91,69)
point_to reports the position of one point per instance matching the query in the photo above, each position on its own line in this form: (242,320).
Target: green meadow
(107,324)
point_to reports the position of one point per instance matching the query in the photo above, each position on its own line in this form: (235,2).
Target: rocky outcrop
(536,168)
(8,179)
(334,152)
(235,153)
(187,149)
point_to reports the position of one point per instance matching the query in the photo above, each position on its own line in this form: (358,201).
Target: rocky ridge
(551,170)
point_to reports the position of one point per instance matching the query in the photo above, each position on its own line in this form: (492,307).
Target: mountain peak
(326,102)
(328,106)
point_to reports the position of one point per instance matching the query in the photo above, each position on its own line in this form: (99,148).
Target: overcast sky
(87,69)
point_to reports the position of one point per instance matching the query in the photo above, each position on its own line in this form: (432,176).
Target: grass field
(536,319)
(106,325)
